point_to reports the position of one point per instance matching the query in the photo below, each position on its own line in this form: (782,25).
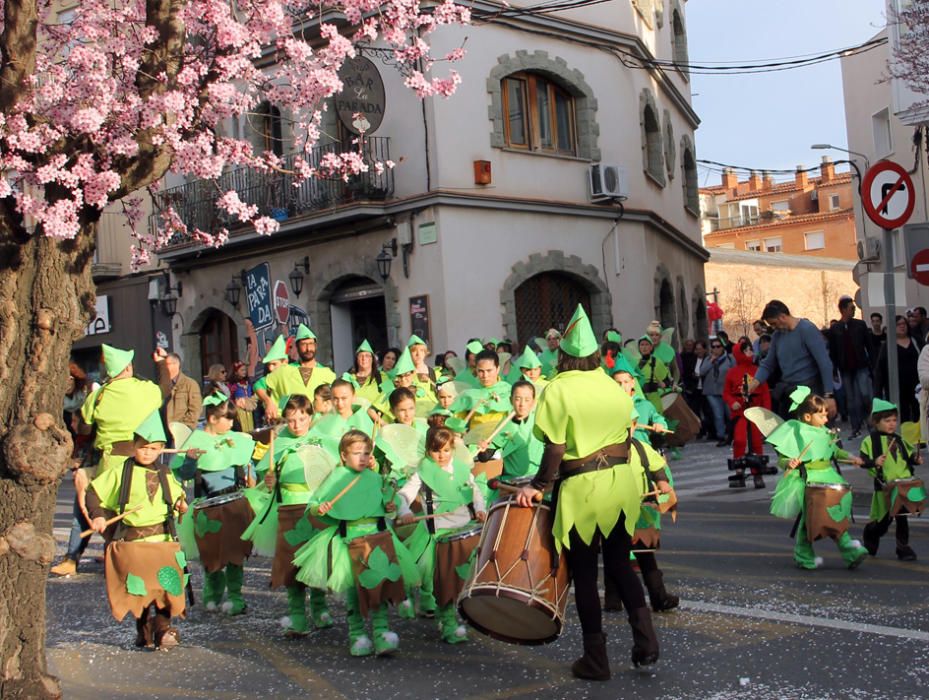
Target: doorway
(547,300)
(219,342)
(358,312)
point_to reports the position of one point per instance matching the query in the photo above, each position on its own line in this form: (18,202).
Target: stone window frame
(683,311)
(652,138)
(646,10)
(679,50)
(587,131)
(690,183)
(670,149)
(601,301)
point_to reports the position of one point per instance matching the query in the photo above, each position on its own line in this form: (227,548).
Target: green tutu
(787,501)
(262,531)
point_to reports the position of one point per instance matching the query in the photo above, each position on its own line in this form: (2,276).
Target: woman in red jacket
(736,396)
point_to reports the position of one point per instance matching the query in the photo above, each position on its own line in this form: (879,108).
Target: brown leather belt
(605,458)
(130,534)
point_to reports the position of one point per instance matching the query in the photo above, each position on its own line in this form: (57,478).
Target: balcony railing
(274,193)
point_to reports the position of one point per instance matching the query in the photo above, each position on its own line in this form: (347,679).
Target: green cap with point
(578,339)
(152,429)
(116,360)
(277,352)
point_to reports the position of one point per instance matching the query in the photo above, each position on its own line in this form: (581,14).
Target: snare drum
(905,496)
(828,507)
(218,524)
(386,591)
(519,589)
(452,554)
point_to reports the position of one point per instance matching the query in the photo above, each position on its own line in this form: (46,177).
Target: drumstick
(654,428)
(500,426)
(182,450)
(802,452)
(341,493)
(498,485)
(114,519)
(474,410)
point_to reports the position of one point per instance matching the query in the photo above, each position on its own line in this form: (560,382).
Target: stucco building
(503,211)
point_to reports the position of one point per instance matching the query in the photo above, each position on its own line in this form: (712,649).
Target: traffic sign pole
(888,199)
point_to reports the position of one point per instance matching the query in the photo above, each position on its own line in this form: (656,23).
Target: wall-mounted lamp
(170,295)
(233,292)
(296,277)
(384,258)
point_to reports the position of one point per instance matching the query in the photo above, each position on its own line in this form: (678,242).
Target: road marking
(810,620)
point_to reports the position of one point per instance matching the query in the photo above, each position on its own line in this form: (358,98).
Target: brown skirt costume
(225,545)
(283,571)
(387,591)
(141,573)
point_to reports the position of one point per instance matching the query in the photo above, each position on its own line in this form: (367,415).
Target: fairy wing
(766,421)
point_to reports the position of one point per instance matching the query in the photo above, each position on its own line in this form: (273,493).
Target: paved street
(751,626)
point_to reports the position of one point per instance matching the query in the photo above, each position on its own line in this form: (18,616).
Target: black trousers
(880,528)
(584,560)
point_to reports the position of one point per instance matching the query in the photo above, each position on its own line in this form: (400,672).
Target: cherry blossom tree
(910,62)
(93,112)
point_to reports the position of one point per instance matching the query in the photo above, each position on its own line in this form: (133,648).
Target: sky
(769,120)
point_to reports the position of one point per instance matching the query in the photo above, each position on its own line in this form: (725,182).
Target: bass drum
(518,591)
(675,408)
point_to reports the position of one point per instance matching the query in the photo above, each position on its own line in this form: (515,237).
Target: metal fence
(274,193)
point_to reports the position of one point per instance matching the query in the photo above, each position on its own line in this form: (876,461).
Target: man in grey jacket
(713,373)
(799,351)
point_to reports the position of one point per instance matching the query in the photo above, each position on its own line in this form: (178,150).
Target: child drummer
(888,457)
(218,459)
(450,491)
(144,564)
(354,499)
(807,451)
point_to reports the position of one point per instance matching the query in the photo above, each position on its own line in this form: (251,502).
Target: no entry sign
(887,194)
(919,267)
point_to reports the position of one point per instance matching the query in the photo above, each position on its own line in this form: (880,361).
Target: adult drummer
(584,417)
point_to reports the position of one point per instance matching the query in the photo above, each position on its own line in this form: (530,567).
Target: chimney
(801,178)
(730,179)
(768,181)
(827,169)
(754,181)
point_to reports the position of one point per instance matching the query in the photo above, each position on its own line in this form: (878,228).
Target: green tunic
(287,381)
(647,414)
(154,510)
(123,405)
(490,404)
(370,389)
(897,465)
(520,448)
(587,411)
(652,371)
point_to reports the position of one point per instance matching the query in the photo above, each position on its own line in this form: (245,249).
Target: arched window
(652,151)
(539,113)
(547,300)
(690,181)
(679,39)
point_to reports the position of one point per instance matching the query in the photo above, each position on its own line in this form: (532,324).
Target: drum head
(317,464)
(509,619)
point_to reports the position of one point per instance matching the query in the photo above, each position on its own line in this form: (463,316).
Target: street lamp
(170,296)
(829,146)
(296,276)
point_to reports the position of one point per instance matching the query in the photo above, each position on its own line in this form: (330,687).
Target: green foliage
(301,533)
(180,558)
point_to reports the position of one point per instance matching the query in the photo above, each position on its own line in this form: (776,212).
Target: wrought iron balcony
(274,193)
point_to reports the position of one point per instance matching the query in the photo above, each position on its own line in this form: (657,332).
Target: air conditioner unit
(607,182)
(869,250)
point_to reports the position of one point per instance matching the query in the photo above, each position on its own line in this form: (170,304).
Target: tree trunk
(46,298)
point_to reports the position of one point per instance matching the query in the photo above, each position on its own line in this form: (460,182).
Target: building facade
(495,221)
(882,118)
(807,216)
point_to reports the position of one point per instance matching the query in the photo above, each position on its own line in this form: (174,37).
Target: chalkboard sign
(419,317)
(258,294)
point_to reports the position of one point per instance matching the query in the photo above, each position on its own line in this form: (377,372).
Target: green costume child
(369,387)
(807,450)
(354,502)
(288,488)
(654,373)
(449,490)
(144,564)
(888,457)
(221,468)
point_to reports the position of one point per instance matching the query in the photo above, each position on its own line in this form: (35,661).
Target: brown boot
(144,637)
(644,639)
(66,567)
(611,600)
(594,664)
(660,599)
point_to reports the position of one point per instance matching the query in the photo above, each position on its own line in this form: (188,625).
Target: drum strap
(427,500)
(877,449)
